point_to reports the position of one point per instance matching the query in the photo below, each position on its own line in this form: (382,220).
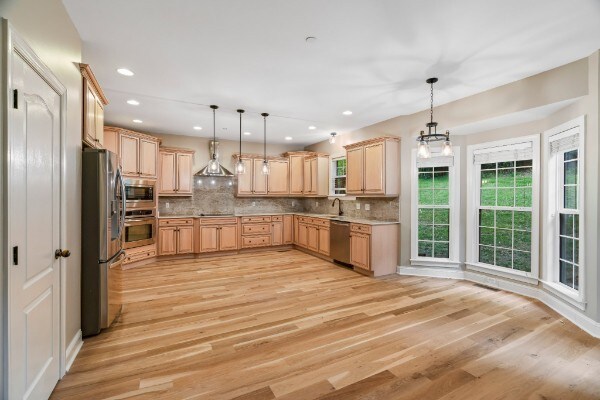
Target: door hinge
(16,255)
(16,99)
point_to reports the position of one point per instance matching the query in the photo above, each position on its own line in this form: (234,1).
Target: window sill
(520,276)
(434,262)
(564,293)
(341,197)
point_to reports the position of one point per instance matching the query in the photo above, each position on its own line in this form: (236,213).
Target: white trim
(472,239)
(73,349)
(455,213)
(553,206)
(548,298)
(332,176)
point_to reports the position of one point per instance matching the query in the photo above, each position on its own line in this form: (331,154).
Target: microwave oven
(140,193)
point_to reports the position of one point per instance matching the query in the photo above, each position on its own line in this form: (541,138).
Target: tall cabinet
(93,109)
(373,167)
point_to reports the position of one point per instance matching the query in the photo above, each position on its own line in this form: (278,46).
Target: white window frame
(473,193)
(553,206)
(454,205)
(332,160)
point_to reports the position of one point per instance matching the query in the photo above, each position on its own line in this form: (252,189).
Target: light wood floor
(287,325)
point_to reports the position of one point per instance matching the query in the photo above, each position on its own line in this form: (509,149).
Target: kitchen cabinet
(216,234)
(278,179)
(316,176)
(313,234)
(259,180)
(302,235)
(175,236)
(296,163)
(372,167)
(138,153)
(111,139)
(288,229)
(374,248)
(93,109)
(148,152)
(167,240)
(175,172)
(313,238)
(129,151)
(257,231)
(244,181)
(324,240)
(277,231)
(141,253)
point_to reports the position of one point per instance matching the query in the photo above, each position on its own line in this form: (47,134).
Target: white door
(34,227)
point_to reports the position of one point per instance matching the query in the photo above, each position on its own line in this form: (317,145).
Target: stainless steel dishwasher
(339,241)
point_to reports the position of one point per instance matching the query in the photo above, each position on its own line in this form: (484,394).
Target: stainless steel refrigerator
(102,221)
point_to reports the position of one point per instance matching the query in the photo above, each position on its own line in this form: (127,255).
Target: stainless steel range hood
(213,147)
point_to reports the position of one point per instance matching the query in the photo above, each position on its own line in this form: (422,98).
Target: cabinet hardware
(61,253)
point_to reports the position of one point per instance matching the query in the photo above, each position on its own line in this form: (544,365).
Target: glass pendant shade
(423,150)
(332,137)
(240,167)
(265,168)
(213,164)
(447,149)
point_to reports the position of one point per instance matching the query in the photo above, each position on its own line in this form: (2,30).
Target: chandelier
(432,135)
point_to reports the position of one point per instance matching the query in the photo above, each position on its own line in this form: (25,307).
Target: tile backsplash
(217,196)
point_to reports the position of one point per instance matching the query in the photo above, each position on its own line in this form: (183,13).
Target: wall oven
(140,193)
(140,228)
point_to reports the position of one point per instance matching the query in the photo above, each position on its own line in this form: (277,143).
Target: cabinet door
(148,152)
(209,238)
(374,168)
(302,235)
(277,233)
(324,241)
(313,238)
(129,146)
(184,173)
(288,229)
(360,250)
(259,181)
(278,180)
(296,226)
(166,168)
(354,171)
(111,141)
(167,241)
(307,177)
(314,175)
(89,115)
(228,237)
(244,181)
(99,124)
(296,174)
(185,239)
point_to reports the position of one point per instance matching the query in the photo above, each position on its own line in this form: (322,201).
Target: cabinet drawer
(256,241)
(256,219)
(129,258)
(306,220)
(360,228)
(277,218)
(321,222)
(175,222)
(253,229)
(218,221)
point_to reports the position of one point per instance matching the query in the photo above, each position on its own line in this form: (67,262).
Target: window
(338,176)
(503,206)
(563,223)
(436,204)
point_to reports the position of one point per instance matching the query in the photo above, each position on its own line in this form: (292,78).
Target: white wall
(48,29)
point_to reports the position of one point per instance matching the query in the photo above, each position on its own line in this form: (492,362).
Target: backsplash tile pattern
(217,196)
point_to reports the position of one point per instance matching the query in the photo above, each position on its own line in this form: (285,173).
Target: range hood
(213,147)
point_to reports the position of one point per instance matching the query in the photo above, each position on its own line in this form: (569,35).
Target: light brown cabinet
(374,248)
(259,180)
(216,234)
(372,167)
(175,236)
(296,163)
(93,109)
(278,179)
(288,229)
(313,234)
(244,181)
(316,176)
(148,152)
(360,245)
(138,153)
(324,241)
(277,233)
(129,151)
(175,172)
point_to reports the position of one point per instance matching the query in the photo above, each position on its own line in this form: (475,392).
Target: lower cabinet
(324,240)
(217,234)
(288,229)
(258,231)
(139,253)
(313,234)
(359,250)
(175,237)
(374,248)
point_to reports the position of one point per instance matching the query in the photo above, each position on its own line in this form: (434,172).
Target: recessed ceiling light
(138,121)
(312,127)
(347,112)
(133,102)
(288,138)
(247,133)
(125,71)
(197,128)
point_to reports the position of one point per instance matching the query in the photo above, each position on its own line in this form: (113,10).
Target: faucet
(340,212)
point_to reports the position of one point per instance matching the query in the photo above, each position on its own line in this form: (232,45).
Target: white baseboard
(73,349)
(535,292)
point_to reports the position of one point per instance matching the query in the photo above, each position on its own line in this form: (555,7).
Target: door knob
(61,253)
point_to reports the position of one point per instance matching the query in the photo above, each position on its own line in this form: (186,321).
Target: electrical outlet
(167,205)
(253,204)
(358,206)
(367,207)
(293,203)
(316,204)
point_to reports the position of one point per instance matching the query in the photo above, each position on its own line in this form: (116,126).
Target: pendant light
(265,167)
(213,164)
(432,135)
(332,136)
(240,166)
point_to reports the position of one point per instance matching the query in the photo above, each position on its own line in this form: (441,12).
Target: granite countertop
(305,214)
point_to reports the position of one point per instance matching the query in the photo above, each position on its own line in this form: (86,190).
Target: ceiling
(370,57)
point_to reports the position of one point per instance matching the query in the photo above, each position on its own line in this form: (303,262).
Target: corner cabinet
(175,172)
(374,248)
(93,109)
(373,166)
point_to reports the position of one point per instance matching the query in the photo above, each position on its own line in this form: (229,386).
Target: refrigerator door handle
(111,259)
(119,177)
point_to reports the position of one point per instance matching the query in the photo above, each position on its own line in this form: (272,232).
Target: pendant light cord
(214,155)
(431,106)
(265,137)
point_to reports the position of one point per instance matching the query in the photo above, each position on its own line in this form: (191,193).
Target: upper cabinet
(373,167)
(138,152)
(93,109)
(309,173)
(175,172)
(253,183)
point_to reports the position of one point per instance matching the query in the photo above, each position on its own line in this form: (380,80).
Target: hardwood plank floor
(286,325)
